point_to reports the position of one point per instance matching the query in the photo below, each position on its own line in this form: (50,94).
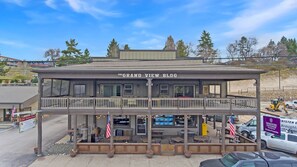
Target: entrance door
(7,115)
(141,125)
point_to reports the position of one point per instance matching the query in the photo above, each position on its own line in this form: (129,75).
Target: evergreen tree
(126,47)
(205,48)
(72,55)
(113,49)
(182,49)
(169,45)
(3,68)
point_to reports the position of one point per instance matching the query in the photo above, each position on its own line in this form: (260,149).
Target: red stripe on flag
(232,128)
(108,130)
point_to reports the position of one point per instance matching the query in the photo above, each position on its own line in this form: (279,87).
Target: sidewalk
(121,160)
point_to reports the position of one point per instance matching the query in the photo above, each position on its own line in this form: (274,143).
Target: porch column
(75,132)
(69,122)
(186,151)
(200,89)
(74,151)
(223,133)
(258,115)
(39,131)
(39,117)
(111,149)
(149,152)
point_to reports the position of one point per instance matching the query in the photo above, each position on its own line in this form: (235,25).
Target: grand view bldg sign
(149,75)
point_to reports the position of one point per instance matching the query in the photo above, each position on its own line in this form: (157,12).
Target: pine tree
(169,45)
(126,47)
(182,49)
(205,48)
(72,55)
(113,49)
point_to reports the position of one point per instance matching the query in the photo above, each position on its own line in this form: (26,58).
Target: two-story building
(147,95)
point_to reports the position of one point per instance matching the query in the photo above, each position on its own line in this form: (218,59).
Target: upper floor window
(79,90)
(128,89)
(164,89)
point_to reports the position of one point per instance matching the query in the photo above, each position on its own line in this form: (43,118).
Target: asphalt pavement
(17,148)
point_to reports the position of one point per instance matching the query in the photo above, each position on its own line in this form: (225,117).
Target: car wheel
(211,119)
(263,145)
(287,106)
(245,134)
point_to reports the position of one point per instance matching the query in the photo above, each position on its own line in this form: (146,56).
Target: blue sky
(29,27)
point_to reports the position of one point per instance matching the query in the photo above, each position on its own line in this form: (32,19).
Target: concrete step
(168,153)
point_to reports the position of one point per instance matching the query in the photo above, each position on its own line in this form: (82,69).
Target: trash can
(204,129)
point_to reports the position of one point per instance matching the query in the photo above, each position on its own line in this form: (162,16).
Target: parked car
(253,159)
(286,142)
(291,104)
(220,117)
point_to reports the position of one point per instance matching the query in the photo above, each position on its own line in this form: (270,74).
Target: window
(111,90)
(121,120)
(164,89)
(79,90)
(248,164)
(184,91)
(283,164)
(281,137)
(172,120)
(292,138)
(128,89)
(215,90)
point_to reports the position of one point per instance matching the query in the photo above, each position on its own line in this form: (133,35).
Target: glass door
(141,125)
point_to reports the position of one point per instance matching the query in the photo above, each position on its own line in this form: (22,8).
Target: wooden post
(69,122)
(111,147)
(75,132)
(39,138)
(39,117)
(258,115)
(223,150)
(186,151)
(149,152)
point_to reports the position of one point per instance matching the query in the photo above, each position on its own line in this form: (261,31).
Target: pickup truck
(286,142)
(291,104)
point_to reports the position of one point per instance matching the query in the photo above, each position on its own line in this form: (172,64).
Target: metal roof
(194,66)
(17,94)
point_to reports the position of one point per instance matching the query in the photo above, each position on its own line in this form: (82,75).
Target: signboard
(148,75)
(272,125)
(27,122)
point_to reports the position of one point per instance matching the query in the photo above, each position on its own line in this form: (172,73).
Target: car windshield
(228,160)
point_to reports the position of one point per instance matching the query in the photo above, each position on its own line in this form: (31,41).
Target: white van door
(277,142)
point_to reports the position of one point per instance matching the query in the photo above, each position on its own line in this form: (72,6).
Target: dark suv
(252,159)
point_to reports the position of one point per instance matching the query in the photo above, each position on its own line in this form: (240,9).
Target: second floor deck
(123,105)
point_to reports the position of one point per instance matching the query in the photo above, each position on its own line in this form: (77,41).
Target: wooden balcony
(158,105)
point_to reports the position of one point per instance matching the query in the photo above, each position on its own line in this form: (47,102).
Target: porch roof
(181,66)
(17,94)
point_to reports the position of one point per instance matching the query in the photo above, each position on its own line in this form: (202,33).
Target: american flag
(13,111)
(232,127)
(108,131)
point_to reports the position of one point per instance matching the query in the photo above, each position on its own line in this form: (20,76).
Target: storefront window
(121,120)
(172,120)
(110,90)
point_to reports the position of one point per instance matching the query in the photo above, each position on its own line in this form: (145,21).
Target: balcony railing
(231,104)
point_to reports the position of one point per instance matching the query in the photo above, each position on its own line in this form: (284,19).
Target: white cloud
(140,24)
(257,15)
(51,4)
(13,43)
(89,7)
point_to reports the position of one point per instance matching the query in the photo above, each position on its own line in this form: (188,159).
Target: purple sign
(271,125)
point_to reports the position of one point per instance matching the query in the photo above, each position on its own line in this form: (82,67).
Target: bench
(157,133)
